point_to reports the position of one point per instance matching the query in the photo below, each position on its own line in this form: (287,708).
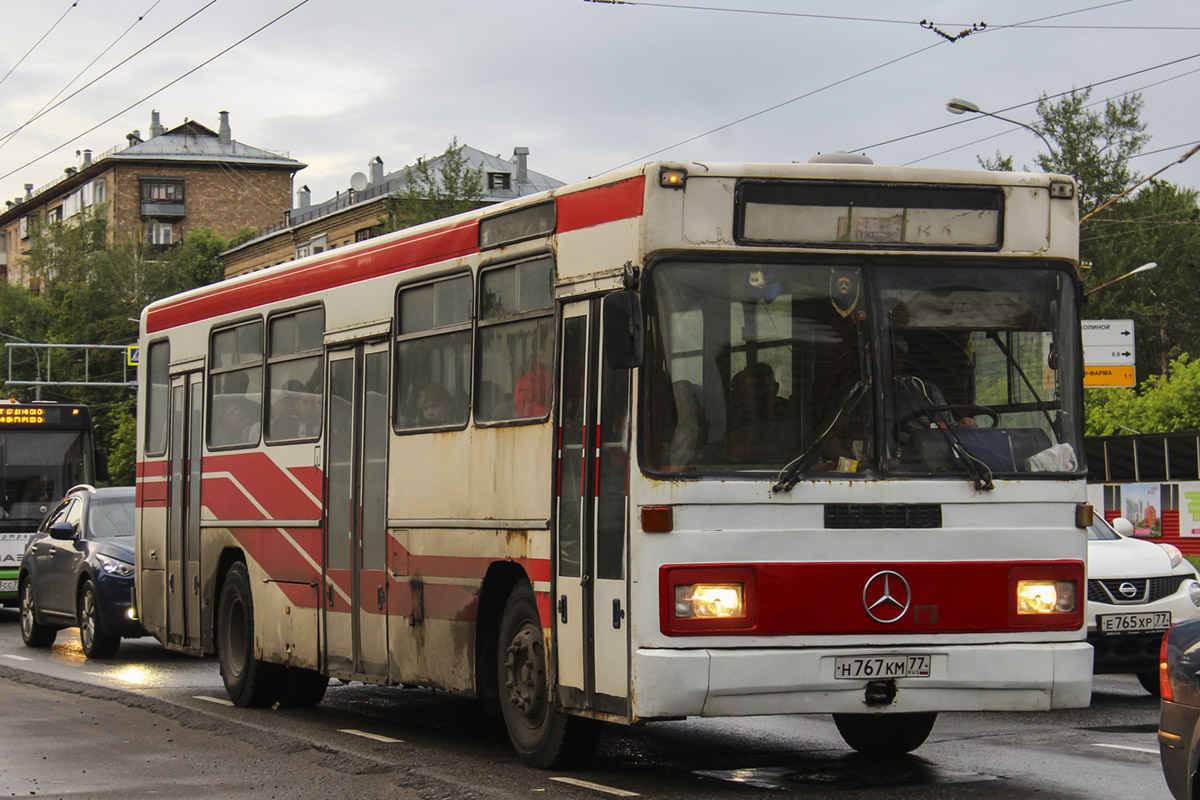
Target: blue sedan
(78,570)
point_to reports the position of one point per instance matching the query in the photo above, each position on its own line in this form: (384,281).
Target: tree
(93,293)
(1162,404)
(434,189)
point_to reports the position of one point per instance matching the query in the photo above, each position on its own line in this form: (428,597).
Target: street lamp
(956,105)
(1143,268)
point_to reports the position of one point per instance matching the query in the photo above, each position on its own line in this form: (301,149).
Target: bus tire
(885,734)
(304,688)
(92,638)
(543,736)
(250,682)
(33,633)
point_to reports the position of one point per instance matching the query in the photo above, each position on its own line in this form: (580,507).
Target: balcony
(162,208)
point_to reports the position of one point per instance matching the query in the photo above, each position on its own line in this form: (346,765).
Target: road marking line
(218,700)
(374,736)
(17,658)
(599,787)
(1126,747)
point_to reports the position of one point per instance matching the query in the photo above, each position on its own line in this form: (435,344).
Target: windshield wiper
(790,475)
(979,472)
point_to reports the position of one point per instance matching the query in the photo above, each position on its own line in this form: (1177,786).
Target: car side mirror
(624,334)
(62,530)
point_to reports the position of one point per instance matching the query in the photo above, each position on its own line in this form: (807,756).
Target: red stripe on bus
(592,207)
(338,270)
(267,483)
(153,469)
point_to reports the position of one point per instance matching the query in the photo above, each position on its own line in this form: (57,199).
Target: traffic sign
(1109,356)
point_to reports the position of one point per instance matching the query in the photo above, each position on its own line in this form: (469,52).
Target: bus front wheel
(250,682)
(543,736)
(885,734)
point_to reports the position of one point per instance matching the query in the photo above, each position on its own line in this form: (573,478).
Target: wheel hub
(525,671)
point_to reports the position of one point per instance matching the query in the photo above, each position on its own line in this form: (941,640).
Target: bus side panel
(152,548)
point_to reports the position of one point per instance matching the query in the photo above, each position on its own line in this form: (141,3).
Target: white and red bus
(682,440)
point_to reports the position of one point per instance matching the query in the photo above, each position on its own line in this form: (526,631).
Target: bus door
(591,592)
(183,522)
(355,585)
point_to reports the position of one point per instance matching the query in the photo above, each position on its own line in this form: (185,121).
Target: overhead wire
(8,136)
(157,91)
(34,46)
(90,64)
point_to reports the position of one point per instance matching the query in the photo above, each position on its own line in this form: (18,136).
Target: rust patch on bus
(517,546)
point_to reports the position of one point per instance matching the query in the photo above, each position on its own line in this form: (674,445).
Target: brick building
(156,191)
(354,215)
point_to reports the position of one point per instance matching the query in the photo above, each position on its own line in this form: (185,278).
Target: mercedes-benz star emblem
(886,597)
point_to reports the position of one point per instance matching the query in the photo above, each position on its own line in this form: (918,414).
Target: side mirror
(101,456)
(62,530)
(624,334)
(1123,526)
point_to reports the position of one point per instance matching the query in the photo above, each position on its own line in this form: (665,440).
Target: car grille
(1148,589)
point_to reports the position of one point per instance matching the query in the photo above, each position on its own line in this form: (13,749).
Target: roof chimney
(304,197)
(376,166)
(156,128)
(521,159)
(224,135)
(29,191)
(87,159)
(134,138)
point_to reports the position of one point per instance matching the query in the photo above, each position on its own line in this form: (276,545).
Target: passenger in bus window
(759,419)
(919,401)
(308,411)
(531,395)
(285,412)
(435,405)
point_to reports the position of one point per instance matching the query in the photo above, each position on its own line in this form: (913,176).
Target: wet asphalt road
(155,724)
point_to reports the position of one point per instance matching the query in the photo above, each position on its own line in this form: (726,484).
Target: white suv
(1136,590)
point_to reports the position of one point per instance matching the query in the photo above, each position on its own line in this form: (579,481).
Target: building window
(23,227)
(362,234)
(499,181)
(162,190)
(55,214)
(160,233)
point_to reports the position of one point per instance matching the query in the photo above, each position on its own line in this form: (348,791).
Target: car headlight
(1173,552)
(1045,596)
(115,566)
(1194,593)
(709,600)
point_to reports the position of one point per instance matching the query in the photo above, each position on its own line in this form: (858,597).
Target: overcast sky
(587,86)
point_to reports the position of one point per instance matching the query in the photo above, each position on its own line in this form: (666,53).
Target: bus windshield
(37,467)
(849,370)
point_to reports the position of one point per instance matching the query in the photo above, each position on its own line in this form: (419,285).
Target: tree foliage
(1161,404)
(93,293)
(434,189)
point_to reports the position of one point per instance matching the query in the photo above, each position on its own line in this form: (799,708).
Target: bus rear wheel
(543,736)
(250,682)
(885,734)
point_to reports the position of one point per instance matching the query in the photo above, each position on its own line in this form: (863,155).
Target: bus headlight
(709,600)
(1045,597)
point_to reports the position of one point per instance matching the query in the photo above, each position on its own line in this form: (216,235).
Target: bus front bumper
(981,677)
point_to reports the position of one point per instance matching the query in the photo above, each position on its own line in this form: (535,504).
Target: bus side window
(294,375)
(516,342)
(433,355)
(235,402)
(158,383)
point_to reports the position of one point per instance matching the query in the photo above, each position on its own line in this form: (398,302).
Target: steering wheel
(958,409)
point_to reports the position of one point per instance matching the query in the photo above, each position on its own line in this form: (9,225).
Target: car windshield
(110,517)
(1100,530)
